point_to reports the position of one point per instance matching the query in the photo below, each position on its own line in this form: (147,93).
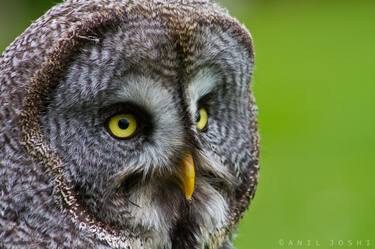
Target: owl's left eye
(202,119)
(122,126)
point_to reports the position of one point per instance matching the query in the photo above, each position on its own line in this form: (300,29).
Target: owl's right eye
(122,126)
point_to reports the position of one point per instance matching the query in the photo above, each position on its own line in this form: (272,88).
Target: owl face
(154,135)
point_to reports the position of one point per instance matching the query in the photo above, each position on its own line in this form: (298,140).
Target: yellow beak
(187,177)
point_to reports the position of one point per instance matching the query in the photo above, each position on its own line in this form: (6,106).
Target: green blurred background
(315,87)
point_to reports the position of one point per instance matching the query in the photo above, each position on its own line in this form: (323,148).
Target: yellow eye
(122,126)
(202,120)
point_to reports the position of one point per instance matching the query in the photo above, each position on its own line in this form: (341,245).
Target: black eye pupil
(123,124)
(198,117)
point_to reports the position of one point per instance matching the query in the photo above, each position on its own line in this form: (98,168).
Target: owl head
(142,116)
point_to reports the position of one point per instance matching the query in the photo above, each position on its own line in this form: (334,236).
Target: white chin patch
(209,211)
(149,219)
(213,211)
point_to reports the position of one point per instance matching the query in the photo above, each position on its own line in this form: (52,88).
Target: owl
(127,124)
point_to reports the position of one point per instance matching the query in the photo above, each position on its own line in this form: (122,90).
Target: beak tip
(189,198)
